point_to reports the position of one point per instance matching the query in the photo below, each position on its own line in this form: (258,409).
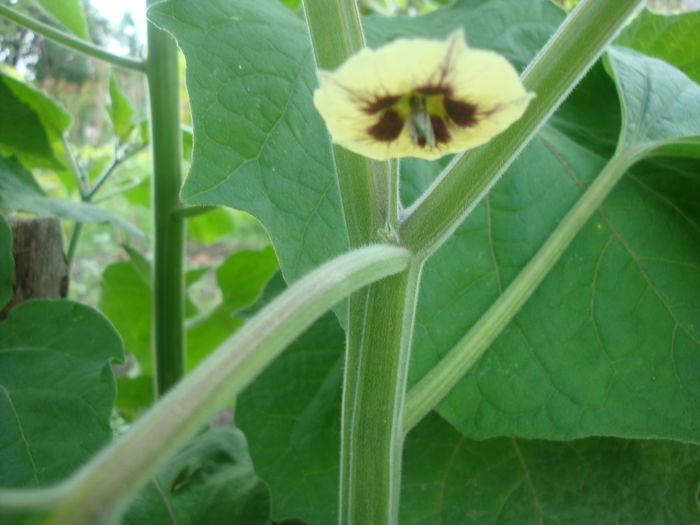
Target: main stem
(380,320)
(373,415)
(168,230)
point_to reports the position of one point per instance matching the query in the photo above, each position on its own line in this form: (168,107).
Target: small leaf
(7,262)
(19,192)
(660,104)
(56,390)
(120,112)
(125,298)
(134,396)
(211,480)
(69,13)
(212,226)
(241,278)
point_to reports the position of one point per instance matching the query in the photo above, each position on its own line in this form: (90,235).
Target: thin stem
(437,383)
(76,169)
(73,244)
(70,41)
(553,73)
(103,487)
(373,416)
(169,231)
(116,162)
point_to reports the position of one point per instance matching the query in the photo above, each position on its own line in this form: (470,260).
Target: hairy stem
(553,73)
(72,42)
(373,416)
(437,383)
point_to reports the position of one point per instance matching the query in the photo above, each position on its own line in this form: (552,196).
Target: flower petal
(420,98)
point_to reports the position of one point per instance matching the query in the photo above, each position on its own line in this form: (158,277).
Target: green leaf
(7,262)
(672,38)
(57,390)
(211,480)
(19,192)
(661,105)
(125,298)
(120,112)
(31,125)
(270,155)
(134,395)
(290,414)
(451,479)
(212,226)
(241,278)
(69,13)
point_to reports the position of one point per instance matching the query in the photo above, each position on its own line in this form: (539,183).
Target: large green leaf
(56,390)
(260,144)
(19,192)
(451,479)
(672,38)
(290,414)
(211,480)
(7,262)
(69,13)
(31,124)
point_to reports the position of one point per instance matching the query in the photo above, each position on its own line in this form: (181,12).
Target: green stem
(369,196)
(116,162)
(169,231)
(553,73)
(373,415)
(69,41)
(103,487)
(73,244)
(437,383)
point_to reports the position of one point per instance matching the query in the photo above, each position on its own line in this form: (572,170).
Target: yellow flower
(420,98)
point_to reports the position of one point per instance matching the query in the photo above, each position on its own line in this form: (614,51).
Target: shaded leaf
(69,13)
(57,390)
(211,480)
(451,479)
(291,416)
